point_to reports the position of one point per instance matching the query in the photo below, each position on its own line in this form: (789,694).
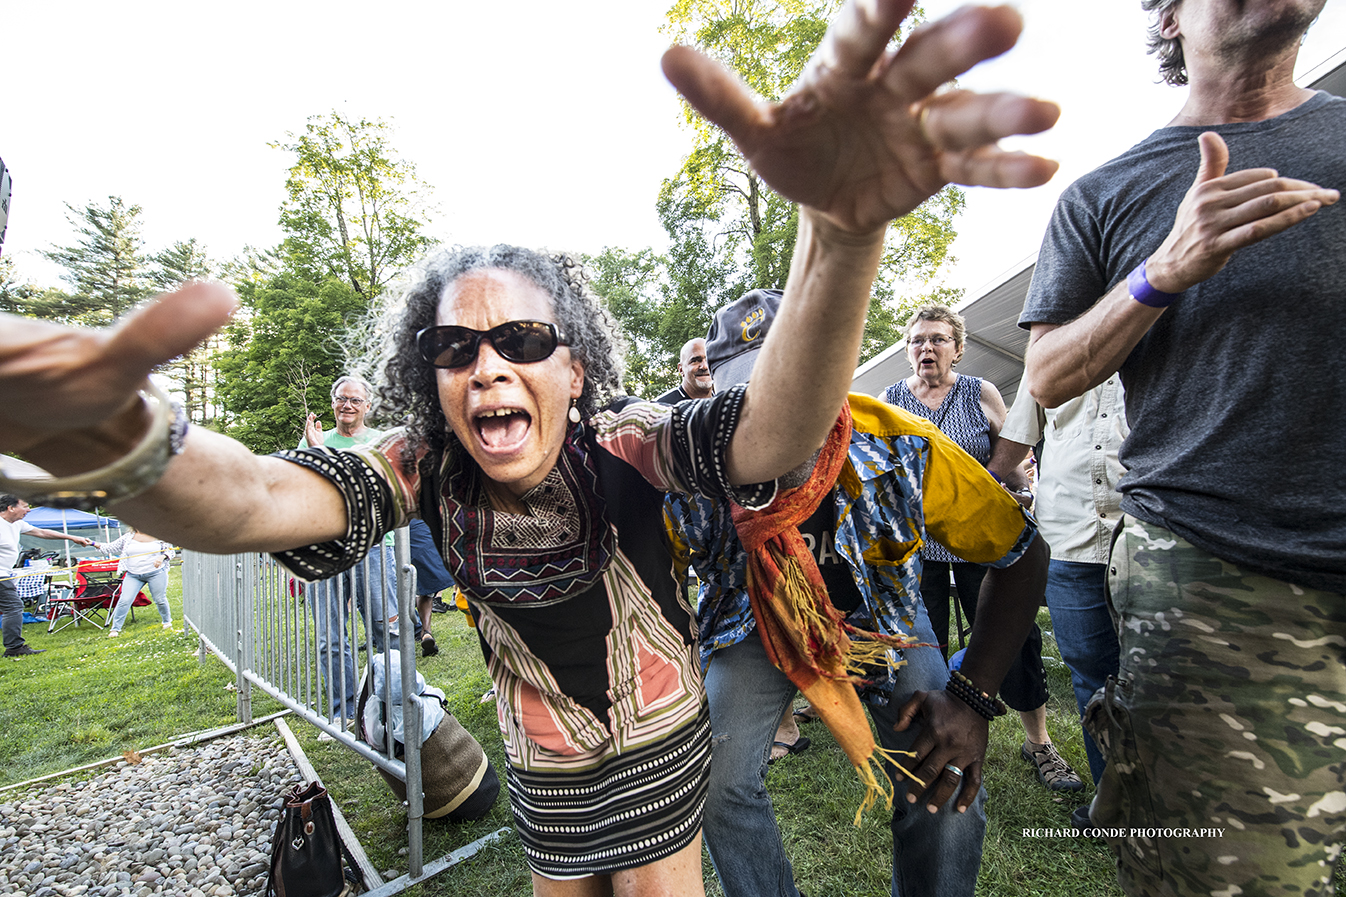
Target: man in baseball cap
(849,523)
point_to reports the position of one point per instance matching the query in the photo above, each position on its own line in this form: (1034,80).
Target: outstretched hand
(1223,213)
(57,378)
(865,137)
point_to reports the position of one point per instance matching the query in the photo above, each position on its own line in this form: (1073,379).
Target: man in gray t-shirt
(1217,258)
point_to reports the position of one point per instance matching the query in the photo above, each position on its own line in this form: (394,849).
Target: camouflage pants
(1225,728)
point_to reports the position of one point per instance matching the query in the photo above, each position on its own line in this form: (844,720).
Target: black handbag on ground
(306,849)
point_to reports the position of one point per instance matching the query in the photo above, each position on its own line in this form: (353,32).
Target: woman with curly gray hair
(545,497)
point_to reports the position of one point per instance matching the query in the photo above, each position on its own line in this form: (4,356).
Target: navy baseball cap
(736,333)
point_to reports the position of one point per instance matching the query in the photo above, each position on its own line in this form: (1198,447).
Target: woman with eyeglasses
(970,411)
(540,484)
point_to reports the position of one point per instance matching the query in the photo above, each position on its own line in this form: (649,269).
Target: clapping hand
(313,430)
(866,136)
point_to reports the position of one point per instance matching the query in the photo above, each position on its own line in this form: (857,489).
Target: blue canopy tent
(66,520)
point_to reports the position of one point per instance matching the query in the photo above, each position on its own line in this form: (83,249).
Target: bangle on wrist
(128,476)
(1138,285)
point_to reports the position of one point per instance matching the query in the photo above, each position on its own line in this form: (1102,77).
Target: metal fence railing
(303,643)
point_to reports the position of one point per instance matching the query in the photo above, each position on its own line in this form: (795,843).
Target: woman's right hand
(71,391)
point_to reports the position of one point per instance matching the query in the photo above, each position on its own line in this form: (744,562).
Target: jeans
(157,580)
(1085,634)
(11,612)
(329,602)
(937,854)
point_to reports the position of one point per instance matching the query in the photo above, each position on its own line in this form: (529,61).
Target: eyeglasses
(343,401)
(937,341)
(521,342)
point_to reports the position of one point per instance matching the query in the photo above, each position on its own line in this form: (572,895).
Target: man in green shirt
(329,599)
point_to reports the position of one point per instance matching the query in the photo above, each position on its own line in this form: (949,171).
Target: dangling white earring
(574,413)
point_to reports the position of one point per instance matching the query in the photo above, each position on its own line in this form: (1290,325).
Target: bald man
(696,381)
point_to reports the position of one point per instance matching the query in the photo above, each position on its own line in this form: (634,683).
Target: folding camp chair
(97,585)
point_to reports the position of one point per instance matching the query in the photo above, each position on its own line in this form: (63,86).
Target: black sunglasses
(522,342)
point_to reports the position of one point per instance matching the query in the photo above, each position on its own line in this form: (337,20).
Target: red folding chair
(97,586)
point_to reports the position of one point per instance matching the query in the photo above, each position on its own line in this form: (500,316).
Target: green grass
(89,698)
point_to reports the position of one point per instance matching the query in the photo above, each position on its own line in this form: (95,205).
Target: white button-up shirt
(1078,505)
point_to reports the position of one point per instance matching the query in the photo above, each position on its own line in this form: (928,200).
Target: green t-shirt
(332,439)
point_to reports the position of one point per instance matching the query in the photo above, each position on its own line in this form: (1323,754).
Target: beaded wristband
(124,478)
(962,688)
(1138,285)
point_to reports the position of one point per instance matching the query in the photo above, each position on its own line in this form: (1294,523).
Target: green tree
(354,210)
(194,372)
(20,297)
(729,232)
(285,348)
(352,219)
(183,261)
(105,269)
(629,283)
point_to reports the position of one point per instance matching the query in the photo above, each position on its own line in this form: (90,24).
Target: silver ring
(954,769)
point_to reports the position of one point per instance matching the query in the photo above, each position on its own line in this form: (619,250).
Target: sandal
(800,745)
(428,646)
(806,714)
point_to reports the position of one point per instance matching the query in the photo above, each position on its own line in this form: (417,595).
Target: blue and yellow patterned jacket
(903,480)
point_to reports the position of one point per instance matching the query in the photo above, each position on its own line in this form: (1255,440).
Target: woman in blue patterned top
(970,411)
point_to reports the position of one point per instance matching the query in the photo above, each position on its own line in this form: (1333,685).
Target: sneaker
(1079,818)
(168,627)
(1053,770)
(23,650)
(439,607)
(114,634)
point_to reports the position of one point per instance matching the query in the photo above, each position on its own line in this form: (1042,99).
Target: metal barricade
(299,643)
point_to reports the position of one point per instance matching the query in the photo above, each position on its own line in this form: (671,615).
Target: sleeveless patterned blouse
(961,418)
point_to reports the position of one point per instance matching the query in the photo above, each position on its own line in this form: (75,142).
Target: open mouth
(503,429)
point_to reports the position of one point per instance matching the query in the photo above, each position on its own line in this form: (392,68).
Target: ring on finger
(923,122)
(954,769)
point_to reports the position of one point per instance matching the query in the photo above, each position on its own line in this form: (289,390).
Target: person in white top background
(144,562)
(12,512)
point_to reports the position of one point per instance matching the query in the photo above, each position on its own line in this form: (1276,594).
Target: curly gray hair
(409,390)
(1172,65)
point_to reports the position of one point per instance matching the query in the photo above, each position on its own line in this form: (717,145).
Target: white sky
(535,122)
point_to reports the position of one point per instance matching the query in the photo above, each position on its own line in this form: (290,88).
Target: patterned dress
(588,638)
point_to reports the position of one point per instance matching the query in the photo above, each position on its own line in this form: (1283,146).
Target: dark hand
(864,137)
(952,734)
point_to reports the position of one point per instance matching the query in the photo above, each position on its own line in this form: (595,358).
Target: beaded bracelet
(962,688)
(124,478)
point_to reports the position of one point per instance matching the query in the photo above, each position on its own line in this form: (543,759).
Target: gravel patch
(194,821)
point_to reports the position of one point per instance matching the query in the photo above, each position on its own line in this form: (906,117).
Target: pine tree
(105,269)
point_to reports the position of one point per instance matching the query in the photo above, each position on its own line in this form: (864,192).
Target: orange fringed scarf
(805,636)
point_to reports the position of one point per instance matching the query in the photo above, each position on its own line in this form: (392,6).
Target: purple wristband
(1141,291)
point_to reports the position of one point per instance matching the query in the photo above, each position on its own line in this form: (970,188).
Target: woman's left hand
(866,136)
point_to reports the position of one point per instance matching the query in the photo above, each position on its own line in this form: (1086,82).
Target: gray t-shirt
(1236,395)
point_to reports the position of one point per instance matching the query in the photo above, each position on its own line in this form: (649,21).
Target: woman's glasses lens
(521,342)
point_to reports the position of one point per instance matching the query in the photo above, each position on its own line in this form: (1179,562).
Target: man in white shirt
(1077,508)
(12,512)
